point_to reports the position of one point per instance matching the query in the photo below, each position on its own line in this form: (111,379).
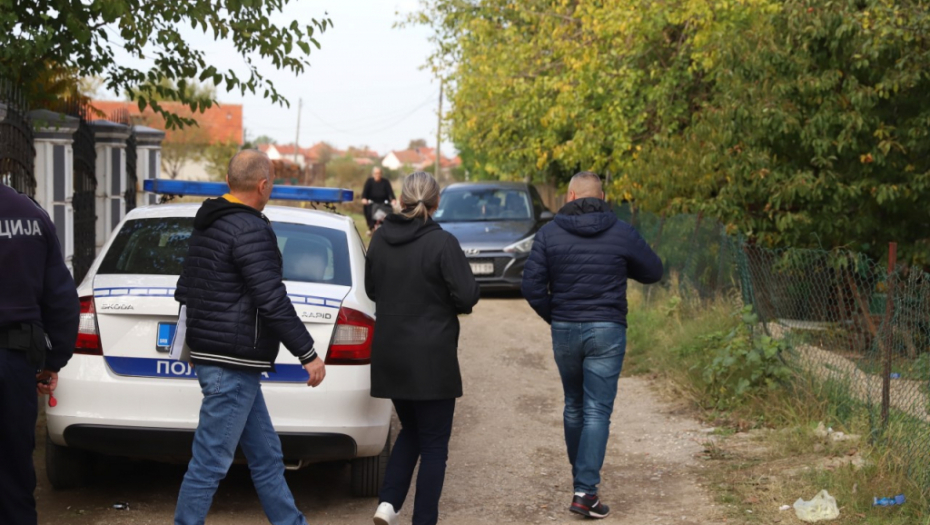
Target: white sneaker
(385,514)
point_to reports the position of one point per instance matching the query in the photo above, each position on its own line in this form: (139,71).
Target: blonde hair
(419,195)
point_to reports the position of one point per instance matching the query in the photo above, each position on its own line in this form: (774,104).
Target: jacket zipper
(255,344)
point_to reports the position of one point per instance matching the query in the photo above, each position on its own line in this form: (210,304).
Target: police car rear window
(149,247)
(159,246)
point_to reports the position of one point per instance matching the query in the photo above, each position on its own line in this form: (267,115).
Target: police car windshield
(159,246)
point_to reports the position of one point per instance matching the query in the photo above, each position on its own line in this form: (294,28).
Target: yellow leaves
(866,159)
(542,159)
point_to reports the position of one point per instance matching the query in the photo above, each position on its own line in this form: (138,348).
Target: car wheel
(368,473)
(65,467)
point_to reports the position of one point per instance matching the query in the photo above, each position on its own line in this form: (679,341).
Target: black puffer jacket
(578,269)
(238,312)
(421,281)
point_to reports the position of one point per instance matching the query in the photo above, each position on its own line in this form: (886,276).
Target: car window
(313,254)
(537,200)
(159,246)
(487,204)
(149,247)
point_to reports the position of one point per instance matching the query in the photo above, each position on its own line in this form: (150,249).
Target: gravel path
(507,460)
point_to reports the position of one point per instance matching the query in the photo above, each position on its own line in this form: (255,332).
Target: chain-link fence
(858,329)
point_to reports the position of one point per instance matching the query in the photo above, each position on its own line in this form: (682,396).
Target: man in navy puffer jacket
(575,279)
(238,313)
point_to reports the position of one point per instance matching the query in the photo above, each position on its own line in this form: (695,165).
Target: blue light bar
(218,189)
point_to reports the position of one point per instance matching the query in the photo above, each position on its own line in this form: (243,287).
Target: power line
(379,121)
(370,119)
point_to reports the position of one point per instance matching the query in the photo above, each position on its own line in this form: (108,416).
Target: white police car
(121,395)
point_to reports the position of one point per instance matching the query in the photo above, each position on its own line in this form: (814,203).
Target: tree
(183,146)
(346,173)
(817,132)
(217,156)
(796,123)
(417,143)
(541,89)
(80,37)
(166,90)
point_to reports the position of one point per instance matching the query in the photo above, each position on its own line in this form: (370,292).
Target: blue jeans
(589,357)
(234,413)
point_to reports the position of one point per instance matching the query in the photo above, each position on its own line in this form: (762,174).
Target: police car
(121,394)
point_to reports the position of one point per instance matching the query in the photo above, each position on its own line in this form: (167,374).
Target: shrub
(743,364)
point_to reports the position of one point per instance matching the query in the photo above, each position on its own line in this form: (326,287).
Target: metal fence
(85,187)
(858,329)
(17,153)
(121,116)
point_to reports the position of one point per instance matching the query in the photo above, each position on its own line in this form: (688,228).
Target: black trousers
(371,223)
(18,411)
(426,429)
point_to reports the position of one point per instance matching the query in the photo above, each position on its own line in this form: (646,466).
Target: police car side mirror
(546,215)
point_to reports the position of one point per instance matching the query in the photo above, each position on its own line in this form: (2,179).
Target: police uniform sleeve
(61,308)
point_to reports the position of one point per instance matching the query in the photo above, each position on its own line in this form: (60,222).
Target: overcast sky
(364,87)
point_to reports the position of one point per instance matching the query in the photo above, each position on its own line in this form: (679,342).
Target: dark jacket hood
(213,209)
(397,229)
(586,217)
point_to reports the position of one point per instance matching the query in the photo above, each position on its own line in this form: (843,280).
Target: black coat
(420,280)
(378,190)
(578,269)
(238,311)
(35,285)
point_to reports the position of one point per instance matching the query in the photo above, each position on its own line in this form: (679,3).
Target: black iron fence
(17,153)
(85,187)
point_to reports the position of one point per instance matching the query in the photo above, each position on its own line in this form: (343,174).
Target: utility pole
(300,106)
(438,130)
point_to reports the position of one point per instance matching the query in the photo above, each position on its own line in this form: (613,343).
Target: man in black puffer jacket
(238,313)
(575,279)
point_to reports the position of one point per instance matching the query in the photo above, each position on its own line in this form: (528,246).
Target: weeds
(765,451)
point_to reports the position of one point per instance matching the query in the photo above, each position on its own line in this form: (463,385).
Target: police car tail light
(351,344)
(88,339)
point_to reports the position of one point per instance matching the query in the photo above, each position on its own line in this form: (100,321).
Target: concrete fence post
(54,173)
(148,160)
(110,142)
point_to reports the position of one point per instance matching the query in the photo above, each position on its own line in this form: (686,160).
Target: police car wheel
(368,473)
(65,467)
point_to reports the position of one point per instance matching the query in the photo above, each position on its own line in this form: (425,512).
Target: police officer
(39,313)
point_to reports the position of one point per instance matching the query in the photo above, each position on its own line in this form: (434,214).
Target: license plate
(482,268)
(165,336)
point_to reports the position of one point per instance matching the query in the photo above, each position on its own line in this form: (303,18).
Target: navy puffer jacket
(238,312)
(580,263)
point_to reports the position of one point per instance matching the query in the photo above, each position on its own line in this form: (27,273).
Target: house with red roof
(220,124)
(418,159)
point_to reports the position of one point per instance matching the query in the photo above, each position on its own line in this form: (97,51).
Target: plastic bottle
(888,502)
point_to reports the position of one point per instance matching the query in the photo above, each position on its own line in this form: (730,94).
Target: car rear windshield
(158,246)
(486,204)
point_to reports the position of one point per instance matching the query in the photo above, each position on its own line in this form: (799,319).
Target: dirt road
(507,462)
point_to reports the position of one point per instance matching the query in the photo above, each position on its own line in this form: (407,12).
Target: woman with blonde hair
(420,280)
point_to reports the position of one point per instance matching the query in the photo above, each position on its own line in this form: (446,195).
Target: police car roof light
(218,189)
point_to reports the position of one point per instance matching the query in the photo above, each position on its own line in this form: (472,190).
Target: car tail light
(351,343)
(88,339)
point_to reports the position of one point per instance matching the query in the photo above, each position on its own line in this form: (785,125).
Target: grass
(765,452)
